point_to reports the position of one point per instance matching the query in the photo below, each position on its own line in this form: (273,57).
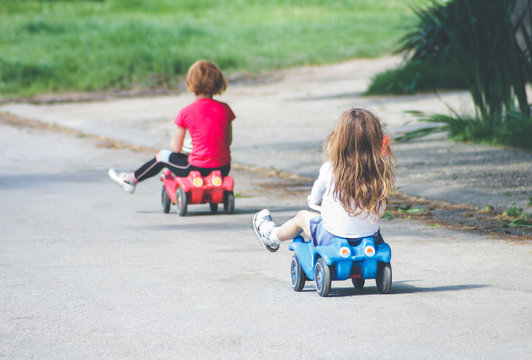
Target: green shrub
(427,65)
(481,41)
(483,45)
(417,76)
(514,211)
(514,131)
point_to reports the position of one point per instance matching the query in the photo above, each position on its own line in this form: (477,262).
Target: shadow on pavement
(402,288)
(199,210)
(398,288)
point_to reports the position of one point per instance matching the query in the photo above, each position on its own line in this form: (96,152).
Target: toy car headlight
(216,181)
(345,252)
(369,251)
(198,182)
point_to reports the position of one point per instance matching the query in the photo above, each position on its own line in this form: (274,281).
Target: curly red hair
(205,78)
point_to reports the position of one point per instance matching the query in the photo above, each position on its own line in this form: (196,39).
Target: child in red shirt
(209,124)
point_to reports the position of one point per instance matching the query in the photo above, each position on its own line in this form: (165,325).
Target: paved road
(281,124)
(89,271)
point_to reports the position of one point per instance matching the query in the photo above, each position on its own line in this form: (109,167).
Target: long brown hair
(363,168)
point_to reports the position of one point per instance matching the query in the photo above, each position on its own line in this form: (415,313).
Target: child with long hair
(209,124)
(352,187)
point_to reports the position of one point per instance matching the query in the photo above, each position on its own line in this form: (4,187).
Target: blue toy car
(358,260)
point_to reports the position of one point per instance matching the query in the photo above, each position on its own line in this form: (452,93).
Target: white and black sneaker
(123,179)
(263,226)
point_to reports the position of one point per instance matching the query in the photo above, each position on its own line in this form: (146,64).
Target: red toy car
(195,189)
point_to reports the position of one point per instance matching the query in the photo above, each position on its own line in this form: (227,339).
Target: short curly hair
(205,78)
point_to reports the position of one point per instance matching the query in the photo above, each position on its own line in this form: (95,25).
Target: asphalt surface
(89,271)
(283,119)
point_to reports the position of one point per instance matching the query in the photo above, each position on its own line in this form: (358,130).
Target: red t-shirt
(209,124)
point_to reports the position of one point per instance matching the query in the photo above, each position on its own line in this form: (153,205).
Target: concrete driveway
(89,271)
(283,119)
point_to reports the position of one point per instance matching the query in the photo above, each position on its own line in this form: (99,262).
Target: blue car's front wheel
(297,275)
(322,276)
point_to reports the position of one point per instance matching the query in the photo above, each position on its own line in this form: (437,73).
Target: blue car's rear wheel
(384,277)
(322,277)
(297,275)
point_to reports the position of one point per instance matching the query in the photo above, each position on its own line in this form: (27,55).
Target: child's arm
(177,141)
(320,186)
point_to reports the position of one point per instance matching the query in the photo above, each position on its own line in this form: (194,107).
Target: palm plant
(481,41)
(428,40)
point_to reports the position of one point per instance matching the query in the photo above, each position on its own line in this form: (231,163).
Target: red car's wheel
(229,202)
(165,201)
(181,202)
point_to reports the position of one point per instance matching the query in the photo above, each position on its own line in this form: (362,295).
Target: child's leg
(177,163)
(206,171)
(296,225)
(272,235)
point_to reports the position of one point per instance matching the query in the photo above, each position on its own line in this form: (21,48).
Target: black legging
(177,163)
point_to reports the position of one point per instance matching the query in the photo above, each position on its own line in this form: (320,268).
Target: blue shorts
(321,237)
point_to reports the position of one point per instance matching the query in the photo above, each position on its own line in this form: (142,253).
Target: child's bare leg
(271,235)
(296,225)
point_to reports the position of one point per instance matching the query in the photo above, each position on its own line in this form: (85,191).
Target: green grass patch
(415,77)
(407,209)
(514,217)
(388,215)
(55,46)
(523,223)
(513,211)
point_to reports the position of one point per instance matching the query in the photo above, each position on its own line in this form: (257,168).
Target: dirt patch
(434,213)
(502,173)
(101,141)
(459,217)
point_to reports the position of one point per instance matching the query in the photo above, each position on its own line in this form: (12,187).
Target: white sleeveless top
(336,220)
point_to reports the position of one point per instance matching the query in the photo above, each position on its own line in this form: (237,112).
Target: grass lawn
(90,45)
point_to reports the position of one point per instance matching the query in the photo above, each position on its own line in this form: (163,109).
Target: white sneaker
(123,179)
(263,226)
